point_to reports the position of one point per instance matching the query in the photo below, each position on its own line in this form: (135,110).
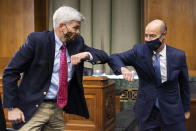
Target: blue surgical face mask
(154,44)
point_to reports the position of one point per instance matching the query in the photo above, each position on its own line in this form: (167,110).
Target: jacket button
(37,106)
(44,93)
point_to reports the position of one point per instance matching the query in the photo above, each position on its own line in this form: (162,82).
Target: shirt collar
(58,42)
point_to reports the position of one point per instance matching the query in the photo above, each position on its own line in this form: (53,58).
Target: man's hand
(16,116)
(76,59)
(187,115)
(128,75)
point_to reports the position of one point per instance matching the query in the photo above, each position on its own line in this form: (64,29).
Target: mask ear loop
(162,35)
(67,28)
(67,34)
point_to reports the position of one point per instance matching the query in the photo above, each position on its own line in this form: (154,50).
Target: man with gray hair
(52,66)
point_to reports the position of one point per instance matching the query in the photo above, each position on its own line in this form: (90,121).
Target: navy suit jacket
(173,95)
(35,59)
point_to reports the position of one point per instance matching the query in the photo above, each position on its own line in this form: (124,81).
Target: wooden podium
(100,98)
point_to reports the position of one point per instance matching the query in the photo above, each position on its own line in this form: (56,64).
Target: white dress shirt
(163,63)
(54,85)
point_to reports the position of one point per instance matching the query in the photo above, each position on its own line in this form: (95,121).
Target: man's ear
(61,26)
(165,32)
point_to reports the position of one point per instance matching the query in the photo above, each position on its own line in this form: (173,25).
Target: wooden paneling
(190,124)
(180,17)
(17,19)
(41,8)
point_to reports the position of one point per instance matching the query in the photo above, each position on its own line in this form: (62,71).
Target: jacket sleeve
(99,56)
(184,85)
(18,64)
(128,58)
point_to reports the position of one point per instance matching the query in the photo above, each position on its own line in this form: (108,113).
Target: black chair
(2,118)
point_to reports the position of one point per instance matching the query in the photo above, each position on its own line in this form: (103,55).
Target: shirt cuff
(10,108)
(91,57)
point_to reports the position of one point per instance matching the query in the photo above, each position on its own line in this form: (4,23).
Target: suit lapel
(51,50)
(149,68)
(168,56)
(72,49)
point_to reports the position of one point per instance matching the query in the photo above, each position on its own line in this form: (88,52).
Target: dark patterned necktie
(63,84)
(157,70)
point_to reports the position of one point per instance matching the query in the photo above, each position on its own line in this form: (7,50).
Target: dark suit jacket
(2,118)
(35,60)
(173,95)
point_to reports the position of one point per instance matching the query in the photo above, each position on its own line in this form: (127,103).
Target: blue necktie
(156,66)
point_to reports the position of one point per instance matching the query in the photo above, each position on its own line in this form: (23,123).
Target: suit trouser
(49,117)
(155,123)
